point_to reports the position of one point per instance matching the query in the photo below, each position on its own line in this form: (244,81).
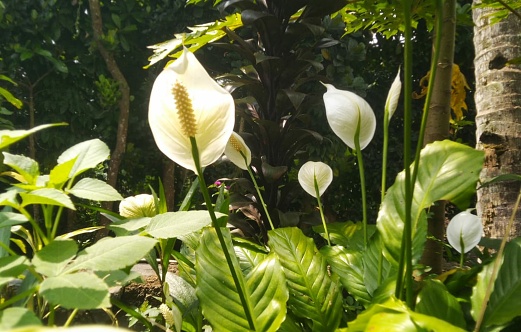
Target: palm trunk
(498,120)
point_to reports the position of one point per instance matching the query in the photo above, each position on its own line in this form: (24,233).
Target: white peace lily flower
(186,102)
(465,228)
(138,206)
(315,170)
(233,150)
(394,94)
(345,111)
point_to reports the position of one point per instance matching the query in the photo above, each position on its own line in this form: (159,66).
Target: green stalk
(317,193)
(264,206)
(71,318)
(209,205)
(405,264)
(362,179)
(384,154)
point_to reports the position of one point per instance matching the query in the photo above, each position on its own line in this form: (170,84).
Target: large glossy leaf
(480,288)
(82,290)
(447,171)
(393,315)
(110,254)
(54,257)
(349,267)
(314,294)
(88,155)
(377,268)
(265,287)
(176,224)
(95,190)
(505,300)
(435,300)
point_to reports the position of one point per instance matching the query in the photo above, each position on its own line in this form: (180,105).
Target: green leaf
(175,224)
(435,300)
(81,290)
(348,265)
(8,137)
(505,301)
(394,315)
(447,171)
(314,295)
(48,196)
(95,190)
(10,98)
(110,254)
(480,288)
(347,234)
(129,226)
(8,219)
(54,257)
(60,173)
(264,285)
(11,267)
(88,155)
(25,166)
(11,318)
(376,266)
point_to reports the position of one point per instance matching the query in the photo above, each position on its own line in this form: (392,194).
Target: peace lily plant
(464,232)
(352,119)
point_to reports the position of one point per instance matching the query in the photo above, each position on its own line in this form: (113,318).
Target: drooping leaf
(95,190)
(8,137)
(25,166)
(17,317)
(110,254)
(175,224)
(505,301)
(435,300)
(54,257)
(88,154)
(81,290)
(8,219)
(48,196)
(11,267)
(314,294)
(447,171)
(265,287)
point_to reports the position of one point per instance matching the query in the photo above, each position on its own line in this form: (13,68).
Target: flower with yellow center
(186,102)
(238,152)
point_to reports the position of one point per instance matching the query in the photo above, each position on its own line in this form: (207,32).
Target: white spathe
(393,96)
(464,227)
(344,111)
(233,150)
(315,170)
(212,105)
(138,206)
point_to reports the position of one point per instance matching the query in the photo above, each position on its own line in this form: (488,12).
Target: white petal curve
(235,156)
(311,170)
(466,225)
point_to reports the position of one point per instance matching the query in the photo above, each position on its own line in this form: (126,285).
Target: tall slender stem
(317,193)
(264,206)
(385,149)
(224,245)
(362,179)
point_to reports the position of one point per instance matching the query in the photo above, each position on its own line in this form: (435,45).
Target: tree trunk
(123,104)
(498,120)
(437,129)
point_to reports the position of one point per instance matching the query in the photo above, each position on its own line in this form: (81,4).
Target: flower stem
(264,206)
(358,152)
(224,245)
(317,193)
(385,148)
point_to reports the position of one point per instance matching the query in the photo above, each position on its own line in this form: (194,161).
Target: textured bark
(437,129)
(498,120)
(123,104)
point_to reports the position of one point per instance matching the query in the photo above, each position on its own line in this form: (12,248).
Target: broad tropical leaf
(48,196)
(95,190)
(265,287)
(176,224)
(314,294)
(110,254)
(505,301)
(447,171)
(82,290)
(88,154)
(435,300)
(54,257)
